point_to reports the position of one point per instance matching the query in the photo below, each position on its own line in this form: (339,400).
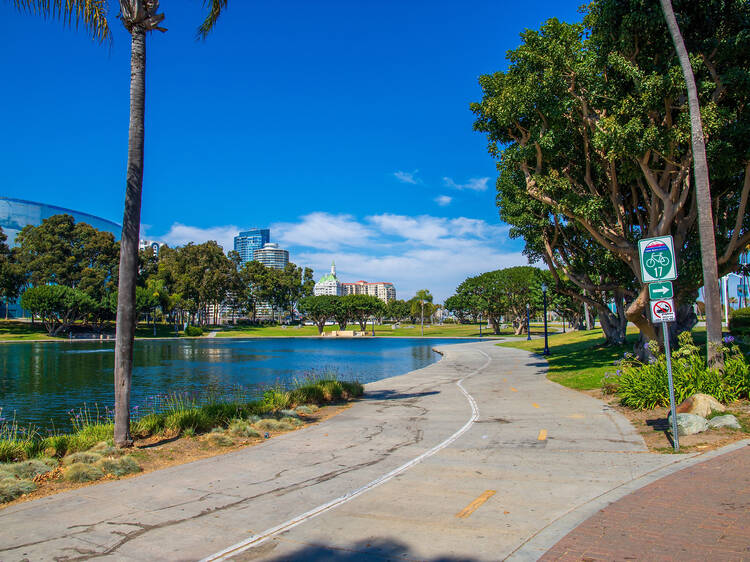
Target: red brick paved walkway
(698,513)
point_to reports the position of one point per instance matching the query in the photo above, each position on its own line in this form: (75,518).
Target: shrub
(739,321)
(193,331)
(28,469)
(90,435)
(118,466)
(304,409)
(148,425)
(56,445)
(194,419)
(105,448)
(220,439)
(11,488)
(241,428)
(84,457)
(270,424)
(82,472)
(645,385)
(276,399)
(307,394)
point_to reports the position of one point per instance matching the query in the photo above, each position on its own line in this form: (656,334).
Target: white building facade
(328,284)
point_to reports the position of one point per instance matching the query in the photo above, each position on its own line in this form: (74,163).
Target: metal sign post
(668,354)
(658,269)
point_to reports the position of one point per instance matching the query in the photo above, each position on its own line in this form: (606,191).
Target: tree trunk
(703,197)
(614,326)
(126,313)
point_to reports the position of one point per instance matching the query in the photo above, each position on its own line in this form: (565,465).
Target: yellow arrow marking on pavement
(535,405)
(513,389)
(542,435)
(473,506)
(576,416)
(505,380)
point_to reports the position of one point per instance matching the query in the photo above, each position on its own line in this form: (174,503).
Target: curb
(542,541)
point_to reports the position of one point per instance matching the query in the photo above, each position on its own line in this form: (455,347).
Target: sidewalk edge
(535,547)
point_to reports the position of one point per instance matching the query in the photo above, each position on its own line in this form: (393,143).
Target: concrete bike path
(423,468)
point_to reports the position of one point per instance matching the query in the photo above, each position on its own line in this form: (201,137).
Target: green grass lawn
(16,330)
(406,330)
(579,359)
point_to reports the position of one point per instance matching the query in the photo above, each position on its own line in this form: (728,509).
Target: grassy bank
(86,454)
(578,359)
(17,330)
(383,330)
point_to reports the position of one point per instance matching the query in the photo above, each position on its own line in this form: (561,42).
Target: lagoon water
(40,383)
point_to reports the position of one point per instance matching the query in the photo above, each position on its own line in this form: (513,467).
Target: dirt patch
(163,451)
(655,430)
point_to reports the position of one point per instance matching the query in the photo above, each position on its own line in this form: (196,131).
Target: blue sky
(344,126)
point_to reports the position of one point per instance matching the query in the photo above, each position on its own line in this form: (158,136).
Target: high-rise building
(245,243)
(271,255)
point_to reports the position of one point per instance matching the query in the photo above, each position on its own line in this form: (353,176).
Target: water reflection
(41,382)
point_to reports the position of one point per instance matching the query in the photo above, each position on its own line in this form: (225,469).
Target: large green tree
(362,308)
(319,309)
(591,121)
(11,274)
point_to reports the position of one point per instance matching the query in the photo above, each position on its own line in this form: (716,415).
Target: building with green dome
(329,284)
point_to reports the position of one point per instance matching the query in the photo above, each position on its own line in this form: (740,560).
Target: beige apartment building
(386,292)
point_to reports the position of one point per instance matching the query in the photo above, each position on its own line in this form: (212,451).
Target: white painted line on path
(261,537)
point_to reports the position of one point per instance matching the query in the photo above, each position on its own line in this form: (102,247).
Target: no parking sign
(662,310)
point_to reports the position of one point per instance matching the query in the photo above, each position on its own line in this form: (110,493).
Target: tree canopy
(590,126)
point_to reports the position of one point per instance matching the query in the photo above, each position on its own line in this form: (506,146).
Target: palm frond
(92,14)
(215,8)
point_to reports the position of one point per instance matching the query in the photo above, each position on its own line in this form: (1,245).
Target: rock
(724,421)
(689,424)
(701,405)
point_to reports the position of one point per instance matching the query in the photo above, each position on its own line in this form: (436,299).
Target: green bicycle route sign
(657,259)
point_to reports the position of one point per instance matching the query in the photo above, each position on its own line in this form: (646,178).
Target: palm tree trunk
(126,313)
(703,197)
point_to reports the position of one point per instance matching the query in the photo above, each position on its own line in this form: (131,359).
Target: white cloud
(322,230)
(443,200)
(412,252)
(407,177)
(474,184)
(181,234)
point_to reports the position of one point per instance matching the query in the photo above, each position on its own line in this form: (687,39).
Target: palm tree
(703,196)
(139,17)
(92,14)
(422,297)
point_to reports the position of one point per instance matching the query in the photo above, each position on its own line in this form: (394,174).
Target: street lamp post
(373,325)
(544,299)
(480,325)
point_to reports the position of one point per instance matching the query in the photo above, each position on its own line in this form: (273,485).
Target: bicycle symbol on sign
(657,259)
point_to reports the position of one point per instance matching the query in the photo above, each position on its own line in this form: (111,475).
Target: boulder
(724,421)
(701,405)
(689,424)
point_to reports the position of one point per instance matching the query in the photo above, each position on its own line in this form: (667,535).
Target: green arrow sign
(660,290)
